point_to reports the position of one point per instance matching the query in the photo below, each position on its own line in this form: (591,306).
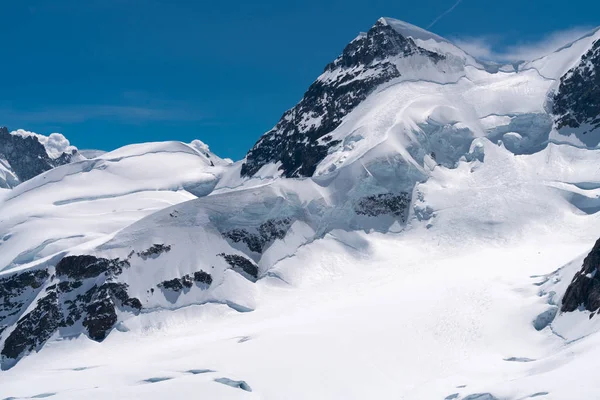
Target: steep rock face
(154,251)
(584,290)
(242,265)
(91,295)
(384,204)
(257,240)
(28,157)
(299,140)
(16,291)
(35,328)
(199,278)
(577,102)
(82,291)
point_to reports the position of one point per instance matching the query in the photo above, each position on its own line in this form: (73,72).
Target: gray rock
(361,67)
(584,289)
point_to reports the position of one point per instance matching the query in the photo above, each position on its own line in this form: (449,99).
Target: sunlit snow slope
(90,199)
(415,227)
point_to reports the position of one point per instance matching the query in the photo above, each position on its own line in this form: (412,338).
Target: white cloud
(55,143)
(489,47)
(200,146)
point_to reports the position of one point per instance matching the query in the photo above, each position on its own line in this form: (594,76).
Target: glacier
(408,230)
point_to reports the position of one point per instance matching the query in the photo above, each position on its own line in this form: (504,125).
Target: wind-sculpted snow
(87,200)
(415,255)
(299,140)
(208,250)
(446,307)
(417,94)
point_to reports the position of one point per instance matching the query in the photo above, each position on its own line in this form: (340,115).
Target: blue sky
(112,72)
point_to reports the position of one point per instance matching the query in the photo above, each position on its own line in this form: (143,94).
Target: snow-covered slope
(8,178)
(89,199)
(401,225)
(448,306)
(414,93)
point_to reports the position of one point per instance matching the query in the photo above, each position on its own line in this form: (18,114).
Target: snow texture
(433,241)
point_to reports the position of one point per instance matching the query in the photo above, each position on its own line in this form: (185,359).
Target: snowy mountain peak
(408,30)
(56,144)
(321,133)
(299,141)
(25,154)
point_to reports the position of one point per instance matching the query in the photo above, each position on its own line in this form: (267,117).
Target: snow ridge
(410,213)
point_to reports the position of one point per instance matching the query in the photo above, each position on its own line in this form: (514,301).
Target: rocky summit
(27,157)
(299,141)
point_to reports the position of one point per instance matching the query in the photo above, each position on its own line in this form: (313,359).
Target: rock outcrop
(584,290)
(299,141)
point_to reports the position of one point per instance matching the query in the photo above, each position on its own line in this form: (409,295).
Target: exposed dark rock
(35,328)
(252,240)
(100,318)
(175,284)
(241,265)
(154,251)
(384,204)
(14,287)
(203,277)
(98,308)
(186,281)
(584,289)
(84,267)
(577,101)
(27,156)
(83,291)
(274,229)
(299,140)
(266,233)
(100,304)
(67,286)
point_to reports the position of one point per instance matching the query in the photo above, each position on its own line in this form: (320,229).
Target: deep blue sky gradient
(111,72)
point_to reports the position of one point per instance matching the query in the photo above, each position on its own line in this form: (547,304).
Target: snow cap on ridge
(410,30)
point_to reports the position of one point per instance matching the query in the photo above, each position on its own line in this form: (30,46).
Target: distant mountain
(24,155)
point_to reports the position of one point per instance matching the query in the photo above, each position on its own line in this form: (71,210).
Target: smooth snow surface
(447,306)
(87,200)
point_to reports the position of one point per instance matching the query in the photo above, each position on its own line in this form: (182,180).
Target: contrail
(448,11)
